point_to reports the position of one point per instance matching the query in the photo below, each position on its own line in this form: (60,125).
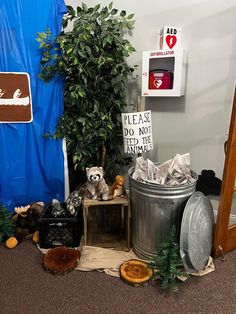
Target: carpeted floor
(27,289)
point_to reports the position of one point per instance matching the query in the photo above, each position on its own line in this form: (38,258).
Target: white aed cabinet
(164,73)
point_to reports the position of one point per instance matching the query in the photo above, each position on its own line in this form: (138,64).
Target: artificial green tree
(6,223)
(167,263)
(91,58)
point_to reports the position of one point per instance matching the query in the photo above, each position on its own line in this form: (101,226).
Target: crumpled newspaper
(173,172)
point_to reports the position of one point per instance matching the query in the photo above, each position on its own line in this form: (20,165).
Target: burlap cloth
(109,260)
(101,259)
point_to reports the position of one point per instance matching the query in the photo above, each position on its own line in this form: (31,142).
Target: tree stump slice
(135,272)
(61,260)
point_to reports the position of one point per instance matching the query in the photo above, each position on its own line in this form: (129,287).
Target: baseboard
(232,218)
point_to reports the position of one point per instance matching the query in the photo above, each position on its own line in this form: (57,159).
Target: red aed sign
(170,37)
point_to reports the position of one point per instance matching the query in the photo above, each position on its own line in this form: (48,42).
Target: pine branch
(6,223)
(168,264)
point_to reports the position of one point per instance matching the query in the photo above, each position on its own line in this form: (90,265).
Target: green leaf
(88,50)
(69,50)
(131,49)
(70,10)
(84,7)
(90,10)
(42,35)
(123,13)
(81,94)
(104,13)
(78,10)
(130,16)
(130,25)
(97,7)
(64,23)
(82,54)
(42,44)
(114,11)
(109,39)
(110,5)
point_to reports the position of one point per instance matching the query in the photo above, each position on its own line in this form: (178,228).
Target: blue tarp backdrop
(31,166)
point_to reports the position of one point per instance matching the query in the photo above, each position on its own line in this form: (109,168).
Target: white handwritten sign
(137,132)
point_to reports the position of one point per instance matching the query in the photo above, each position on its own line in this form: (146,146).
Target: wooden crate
(107,223)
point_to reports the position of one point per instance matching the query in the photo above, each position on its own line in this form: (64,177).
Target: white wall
(198,122)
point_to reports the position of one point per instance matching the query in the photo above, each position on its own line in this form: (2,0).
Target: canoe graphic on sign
(15,98)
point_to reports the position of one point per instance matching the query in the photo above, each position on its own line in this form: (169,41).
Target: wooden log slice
(60,260)
(135,272)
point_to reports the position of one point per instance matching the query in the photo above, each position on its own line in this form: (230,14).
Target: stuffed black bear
(208,183)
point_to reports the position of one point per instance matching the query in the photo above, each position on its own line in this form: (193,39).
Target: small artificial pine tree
(6,223)
(168,264)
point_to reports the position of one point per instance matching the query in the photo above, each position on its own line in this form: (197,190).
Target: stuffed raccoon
(96,185)
(73,202)
(57,209)
(71,206)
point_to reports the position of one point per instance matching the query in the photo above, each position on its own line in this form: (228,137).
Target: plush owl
(96,185)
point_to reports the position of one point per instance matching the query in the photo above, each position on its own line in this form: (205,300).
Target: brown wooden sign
(15,98)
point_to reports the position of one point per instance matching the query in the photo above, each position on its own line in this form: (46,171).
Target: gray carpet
(26,288)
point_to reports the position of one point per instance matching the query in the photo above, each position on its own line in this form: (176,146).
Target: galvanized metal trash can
(154,209)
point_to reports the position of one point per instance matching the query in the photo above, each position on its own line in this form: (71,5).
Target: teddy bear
(117,189)
(26,223)
(96,185)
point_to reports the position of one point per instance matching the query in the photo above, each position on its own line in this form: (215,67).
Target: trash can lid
(196,235)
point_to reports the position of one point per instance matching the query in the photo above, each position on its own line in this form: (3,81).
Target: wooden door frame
(225,235)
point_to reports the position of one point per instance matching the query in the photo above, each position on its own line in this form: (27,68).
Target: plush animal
(117,189)
(26,223)
(56,209)
(96,185)
(73,202)
(208,183)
